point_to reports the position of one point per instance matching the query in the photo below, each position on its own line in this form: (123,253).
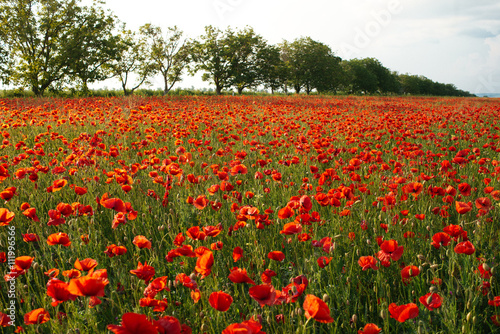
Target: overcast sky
(450,41)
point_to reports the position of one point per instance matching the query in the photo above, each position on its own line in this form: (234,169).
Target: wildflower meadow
(250,214)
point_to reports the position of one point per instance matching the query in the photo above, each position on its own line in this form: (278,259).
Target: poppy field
(250,215)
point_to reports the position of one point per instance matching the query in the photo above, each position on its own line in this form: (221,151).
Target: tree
(273,70)
(92,45)
(246,67)
(169,54)
(213,56)
(312,65)
(359,78)
(132,60)
(369,76)
(5,60)
(49,38)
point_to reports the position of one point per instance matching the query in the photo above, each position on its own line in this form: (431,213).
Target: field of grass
(250,215)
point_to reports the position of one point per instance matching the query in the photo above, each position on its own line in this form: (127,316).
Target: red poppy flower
(238,275)
(55,218)
(59,292)
(291,228)
(200,202)
(204,264)
(52,273)
(30,237)
(5,320)
(370,329)
(8,193)
(413,188)
(267,275)
(464,247)
(484,271)
(133,323)
(157,305)
(80,190)
(6,217)
(367,262)
(196,233)
(168,325)
(285,213)
(31,214)
(119,218)
(431,301)
(389,250)
(87,286)
(276,256)
(462,207)
(38,316)
(403,312)
(317,309)
(408,272)
(238,169)
(264,294)
(58,185)
(464,189)
(144,272)
(323,261)
(246,327)
(237,253)
(440,239)
(220,301)
(85,265)
(142,242)
(24,262)
(494,302)
(72,273)
(59,239)
(112,203)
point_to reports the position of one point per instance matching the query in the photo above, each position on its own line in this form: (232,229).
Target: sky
(449,41)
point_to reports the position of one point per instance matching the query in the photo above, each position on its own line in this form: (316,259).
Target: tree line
(49,45)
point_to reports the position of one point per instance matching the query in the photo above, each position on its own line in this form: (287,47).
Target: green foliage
(168,54)
(311,65)
(53,42)
(133,58)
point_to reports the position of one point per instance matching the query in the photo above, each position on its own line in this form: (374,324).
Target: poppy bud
(492,270)
(432,289)
(468,316)
(35,266)
(434,266)
(354,318)
(421,257)
(326,298)
(383,314)
(486,267)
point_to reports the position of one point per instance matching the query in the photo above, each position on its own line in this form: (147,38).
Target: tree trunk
(240,90)
(166,89)
(218,90)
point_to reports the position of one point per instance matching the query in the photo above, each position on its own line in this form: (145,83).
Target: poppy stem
(305,326)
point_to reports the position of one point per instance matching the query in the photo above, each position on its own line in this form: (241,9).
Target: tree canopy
(52,44)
